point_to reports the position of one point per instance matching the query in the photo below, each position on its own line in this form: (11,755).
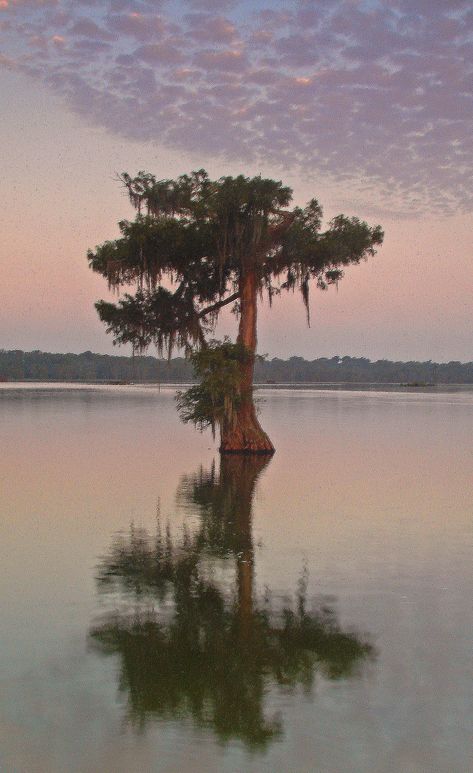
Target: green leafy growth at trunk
(216,398)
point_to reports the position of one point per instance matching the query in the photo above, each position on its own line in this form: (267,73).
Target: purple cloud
(376,94)
(164,53)
(86,28)
(208,29)
(213,5)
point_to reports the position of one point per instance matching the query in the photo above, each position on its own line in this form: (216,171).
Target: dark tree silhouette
(198,245)
(192,647)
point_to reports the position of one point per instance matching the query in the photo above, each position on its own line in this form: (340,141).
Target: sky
(365,104)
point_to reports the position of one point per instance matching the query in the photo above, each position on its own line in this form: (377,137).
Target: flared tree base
(246,437)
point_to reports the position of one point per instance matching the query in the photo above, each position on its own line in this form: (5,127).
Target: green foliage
(217,395)
(199,236)
(157,318)
(17,365)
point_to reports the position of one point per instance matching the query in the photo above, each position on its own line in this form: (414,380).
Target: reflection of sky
(367,105)
(370,491)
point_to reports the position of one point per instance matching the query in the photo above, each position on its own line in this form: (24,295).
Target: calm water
(161,612)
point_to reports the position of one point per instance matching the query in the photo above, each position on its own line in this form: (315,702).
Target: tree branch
(218,305)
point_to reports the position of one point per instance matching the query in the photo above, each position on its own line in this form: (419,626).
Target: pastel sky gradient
(366,104)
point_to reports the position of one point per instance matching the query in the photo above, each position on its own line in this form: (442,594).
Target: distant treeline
(42,366)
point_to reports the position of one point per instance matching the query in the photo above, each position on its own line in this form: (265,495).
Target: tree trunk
(242,433)
(238,476)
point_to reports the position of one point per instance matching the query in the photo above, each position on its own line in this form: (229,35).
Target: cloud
(377,94)
(207,28)
(159,54)
(15,4)
(224,61)
(137,25)
(213,5)
(86,28)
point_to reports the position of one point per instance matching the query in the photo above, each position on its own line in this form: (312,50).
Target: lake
(163,611)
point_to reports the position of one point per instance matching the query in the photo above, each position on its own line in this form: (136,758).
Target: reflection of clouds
(380,91)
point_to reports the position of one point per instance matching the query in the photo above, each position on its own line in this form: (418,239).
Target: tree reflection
(189,646)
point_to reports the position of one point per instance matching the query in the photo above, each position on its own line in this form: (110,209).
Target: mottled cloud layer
(375,94)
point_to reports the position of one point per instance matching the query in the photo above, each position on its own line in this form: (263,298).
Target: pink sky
(60,153)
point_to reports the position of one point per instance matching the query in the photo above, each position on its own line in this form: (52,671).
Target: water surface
(310,613)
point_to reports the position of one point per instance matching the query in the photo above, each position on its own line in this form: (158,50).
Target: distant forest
(86,367)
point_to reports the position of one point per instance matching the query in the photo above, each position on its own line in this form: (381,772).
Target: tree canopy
(200,234)
(17,365)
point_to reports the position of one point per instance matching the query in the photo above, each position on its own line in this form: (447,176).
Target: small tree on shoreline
(217,243)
